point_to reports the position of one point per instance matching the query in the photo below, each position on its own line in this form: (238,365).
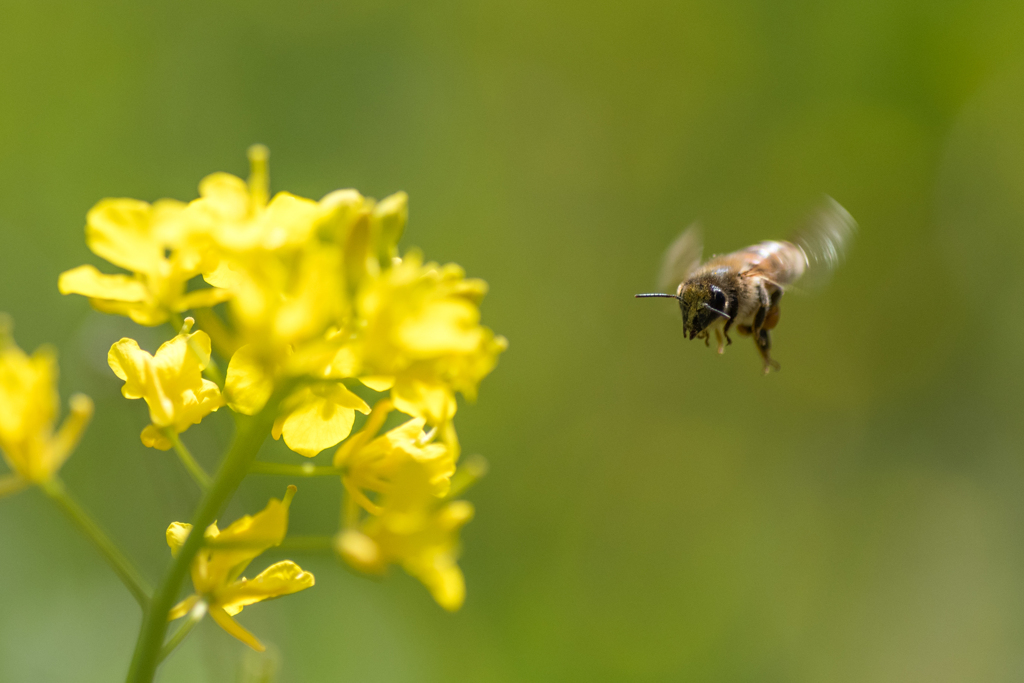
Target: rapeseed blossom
(28,410)
(409,521)
(150,243)
(217,568)
(171,382)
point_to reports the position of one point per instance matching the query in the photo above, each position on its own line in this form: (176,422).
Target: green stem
(195,615)
(193,467)
(305,470)
(122,566)
(252,432)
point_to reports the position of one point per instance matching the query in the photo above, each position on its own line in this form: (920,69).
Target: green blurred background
(654,512)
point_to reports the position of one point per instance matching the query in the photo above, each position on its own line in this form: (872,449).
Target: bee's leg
(771,319)
(764,345)
(725,331)
(721,342)
(762,311)
(707,338)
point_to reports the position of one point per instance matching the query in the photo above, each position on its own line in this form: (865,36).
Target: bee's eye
(718,299)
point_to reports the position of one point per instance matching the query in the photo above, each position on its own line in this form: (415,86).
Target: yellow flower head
(217,568)
(425,545)
(371,462)
(408,474)
(151,242)
(421,331)
(313,418)
(238,217)
(171,382)
(285,282)
(28,410)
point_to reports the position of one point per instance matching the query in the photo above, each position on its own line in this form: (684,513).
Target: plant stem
(252,432)
(304,470)
(195,615)
(122,566)
(193,467)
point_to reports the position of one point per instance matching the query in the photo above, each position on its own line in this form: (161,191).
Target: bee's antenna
(718,312)
(656,294)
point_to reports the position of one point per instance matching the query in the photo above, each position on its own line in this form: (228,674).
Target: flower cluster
(312,303)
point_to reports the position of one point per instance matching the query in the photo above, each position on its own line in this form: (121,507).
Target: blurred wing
(824,240)
(681,258)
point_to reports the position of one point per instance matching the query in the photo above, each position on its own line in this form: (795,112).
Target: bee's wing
(681,258)
(824,239)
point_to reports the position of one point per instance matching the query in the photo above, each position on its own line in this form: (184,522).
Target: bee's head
(702,303)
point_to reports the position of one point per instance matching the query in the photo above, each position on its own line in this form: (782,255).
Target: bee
(741,290)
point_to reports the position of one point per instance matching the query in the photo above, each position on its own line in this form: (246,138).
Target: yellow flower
(409,523)
(311,419)
(28,410)
(171,382)
(151,242)
(237,216)
(217,568)
(421,334)
(425,544)
(371,462)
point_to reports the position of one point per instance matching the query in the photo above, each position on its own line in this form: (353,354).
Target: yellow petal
(433,401)
(225,195)
(293,219)
(182,608)
(232,549)
(282,578)
(444,580)
(70,432)
(248,387)
(154,437)
(390,216)
(235,629)
(177,534)
(360,551)
(317,422)
(88,281)
(445,326)
(223,276)
(142,313)
(127,361)
(119,231)
(203,298)
(378,382)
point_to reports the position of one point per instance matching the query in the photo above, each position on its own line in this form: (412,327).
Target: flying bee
(741,290)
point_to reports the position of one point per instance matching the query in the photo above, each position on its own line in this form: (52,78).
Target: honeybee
(741,290)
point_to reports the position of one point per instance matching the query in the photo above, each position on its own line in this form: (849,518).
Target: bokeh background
(654,512)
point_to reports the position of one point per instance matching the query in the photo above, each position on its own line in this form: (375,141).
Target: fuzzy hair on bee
(741,290)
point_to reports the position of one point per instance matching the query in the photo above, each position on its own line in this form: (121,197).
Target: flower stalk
(194,468)
(251,434)
(122,566)
(194,617)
